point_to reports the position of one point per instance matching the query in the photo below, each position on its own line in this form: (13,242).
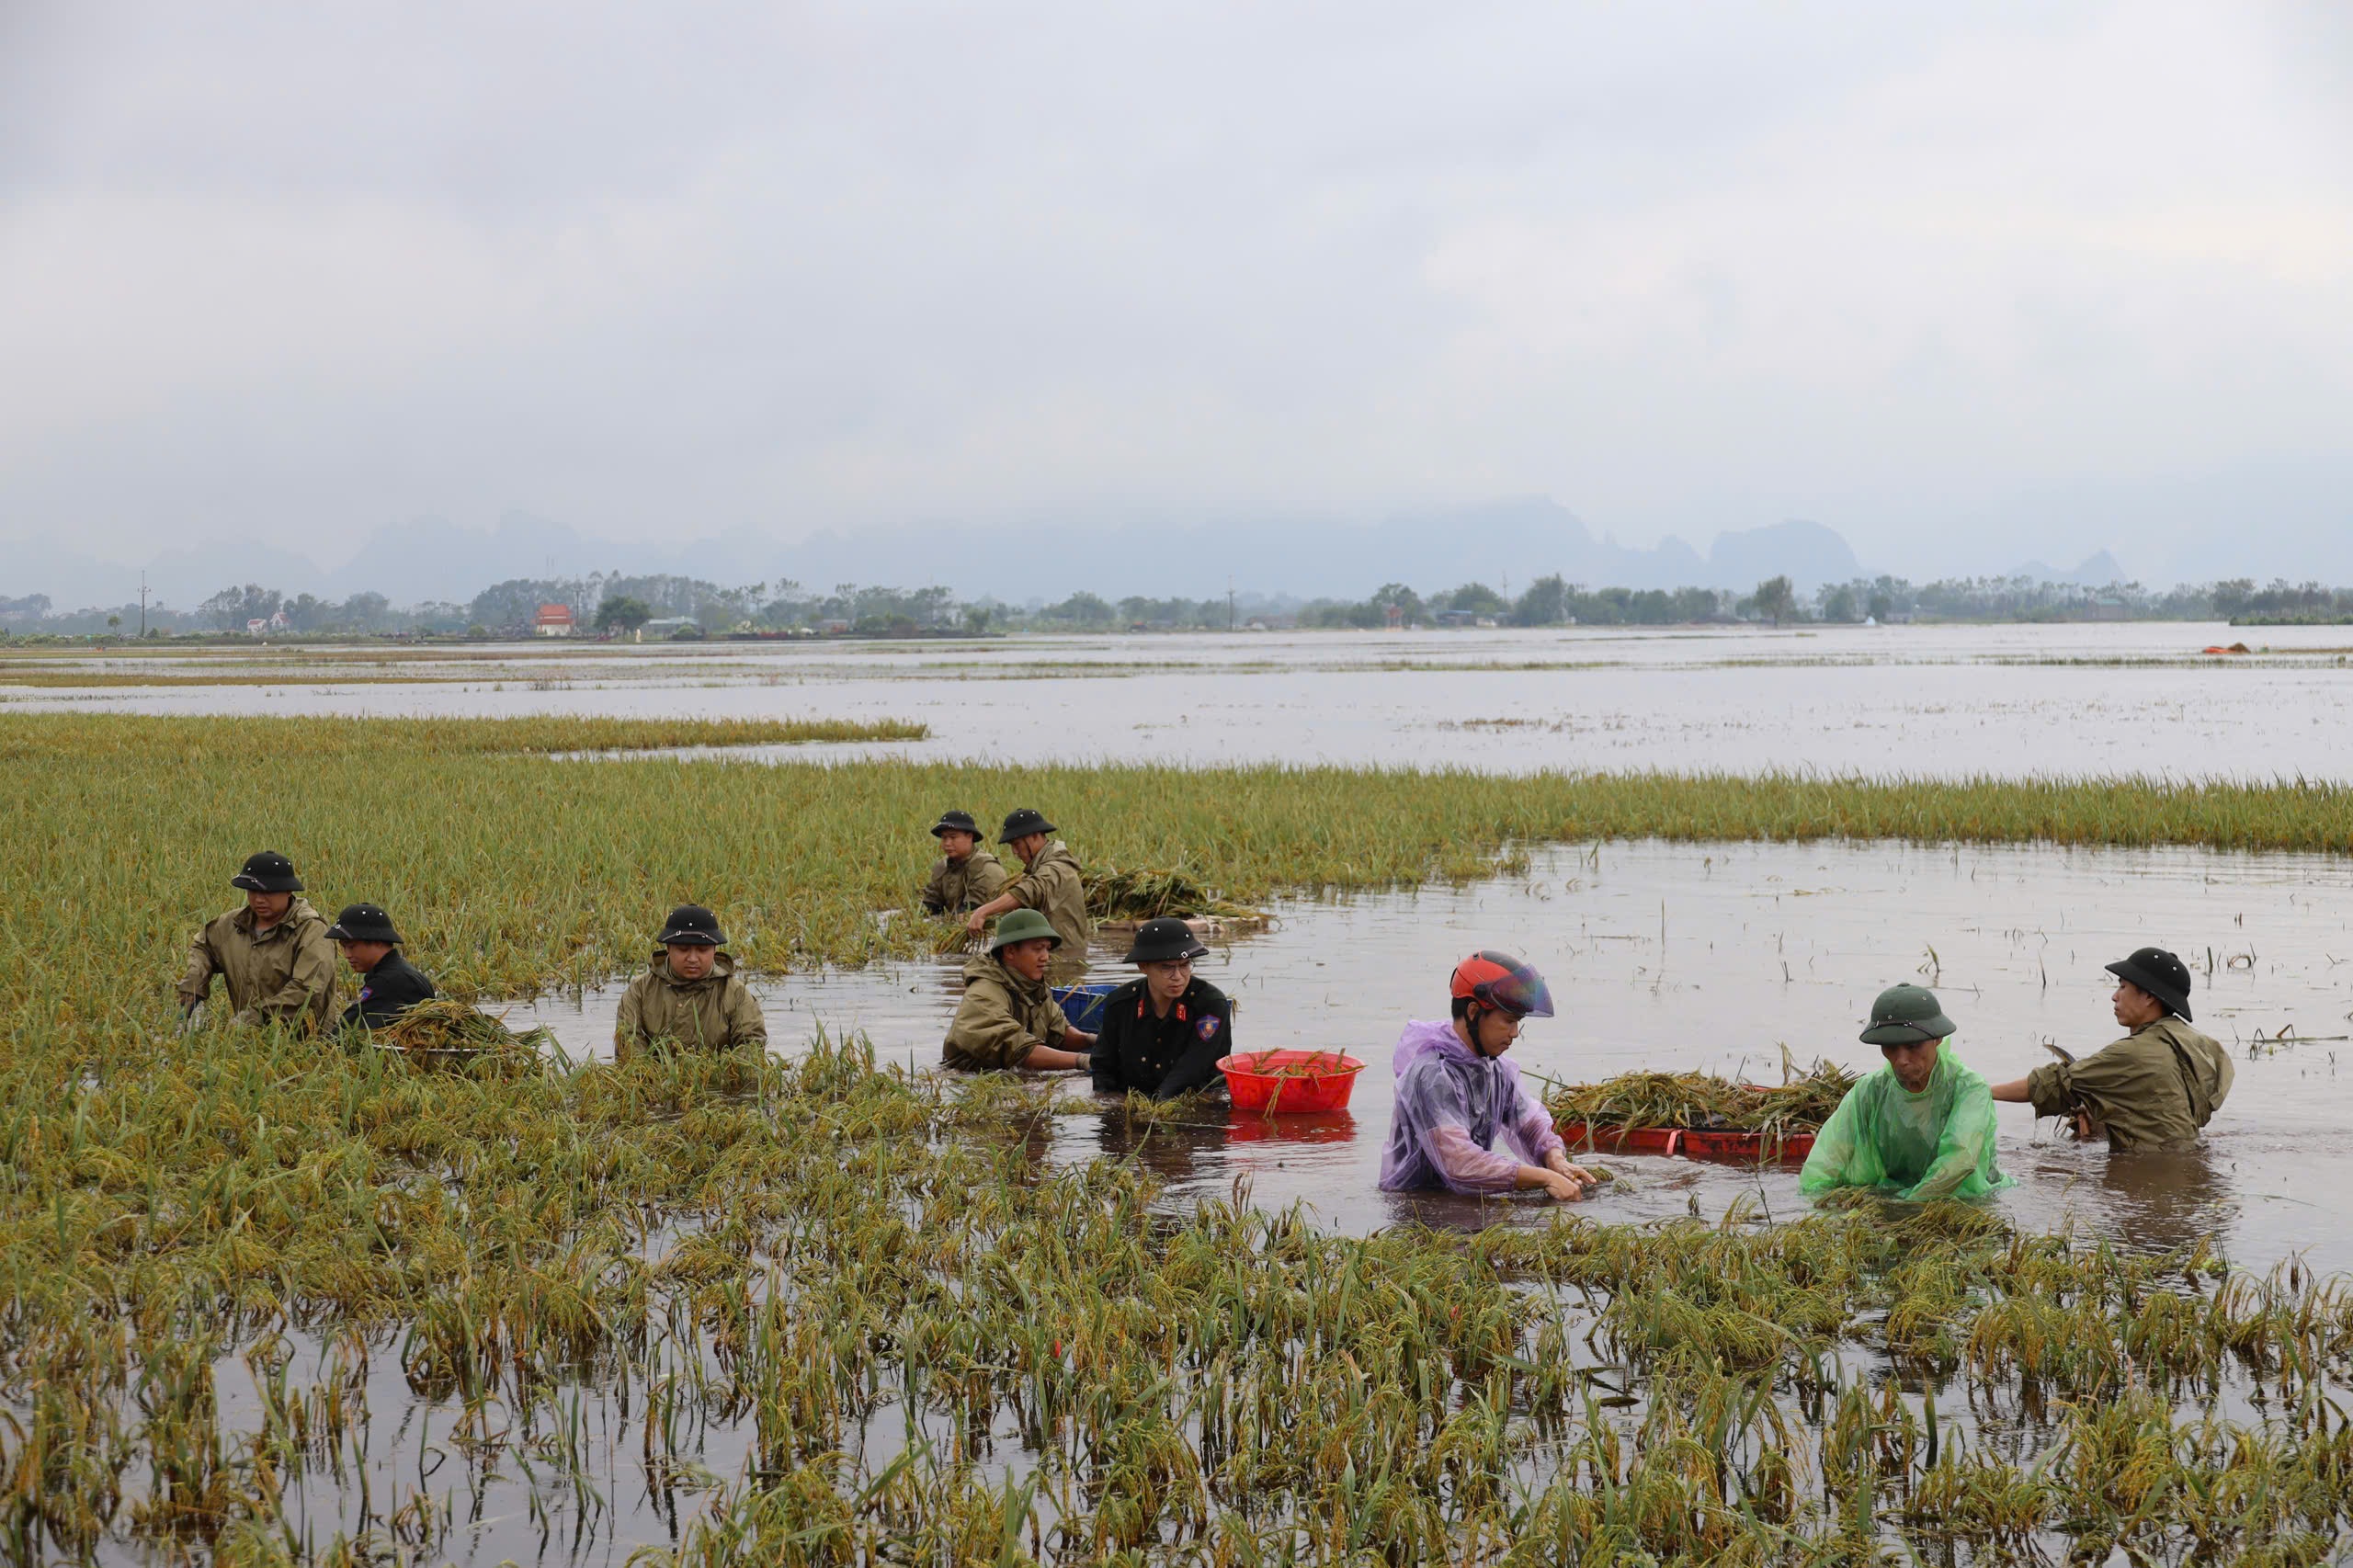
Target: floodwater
(2138,698)
(1718,958)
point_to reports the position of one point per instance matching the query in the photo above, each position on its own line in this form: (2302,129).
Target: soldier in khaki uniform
(1008,1017)
(1051,884)
(691,995)
(273,953)
(965,876)
(2156,1086)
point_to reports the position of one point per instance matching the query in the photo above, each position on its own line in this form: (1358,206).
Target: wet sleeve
(1833,1162)
(985,1033)
(1532,1132)
(1466,1167)
(2090,1082)
(196,978)
(310,988)
(1028,889)
(1964,1148)
(745,1023)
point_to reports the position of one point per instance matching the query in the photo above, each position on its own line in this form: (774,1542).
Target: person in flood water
(272,953)
(965,876)
(1008,1017)
(1920,1126)
(2155,1087)
(691,995)
(389,984)
(1163,1033)
(1051,883)
(1456,1093)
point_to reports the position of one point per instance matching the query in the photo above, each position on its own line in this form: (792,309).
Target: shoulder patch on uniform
(1207,1027)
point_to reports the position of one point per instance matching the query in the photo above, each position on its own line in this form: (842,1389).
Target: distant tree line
(680,606)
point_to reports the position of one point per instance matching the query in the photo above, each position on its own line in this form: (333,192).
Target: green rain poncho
(1937,1143)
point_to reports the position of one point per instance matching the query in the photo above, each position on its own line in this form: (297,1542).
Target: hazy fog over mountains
(1060,295)
(1505,545)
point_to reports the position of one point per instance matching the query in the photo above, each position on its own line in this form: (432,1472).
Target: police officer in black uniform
(1163,1032)
(389,984)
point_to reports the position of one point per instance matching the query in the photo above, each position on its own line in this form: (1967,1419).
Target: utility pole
(143,603)
(1229,603)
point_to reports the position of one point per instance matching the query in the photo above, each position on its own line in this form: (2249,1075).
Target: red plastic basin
(1250,1078)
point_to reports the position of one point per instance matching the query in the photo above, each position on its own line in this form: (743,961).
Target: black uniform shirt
(386,992)
(1163,1057)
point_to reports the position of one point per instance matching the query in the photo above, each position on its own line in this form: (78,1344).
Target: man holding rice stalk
(2155,1087)
(1008,1017)
(1456,1093)
(1920,1126)
(691,995)
(1050,883)
(965,876)
(272,954)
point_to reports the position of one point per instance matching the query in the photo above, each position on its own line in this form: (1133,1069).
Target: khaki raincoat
(959,889)
(285,974)
(714,1013)
(1052,887)
(2156,1086)
(1002,1019)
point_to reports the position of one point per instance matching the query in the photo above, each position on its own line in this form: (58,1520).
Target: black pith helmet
(692,925)
(363,922)
(1023,823)
(2160,975)
(1164,940)
(268,872)
(956,822)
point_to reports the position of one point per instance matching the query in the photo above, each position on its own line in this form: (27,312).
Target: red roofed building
(554,620)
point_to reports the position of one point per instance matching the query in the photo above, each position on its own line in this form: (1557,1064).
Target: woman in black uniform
(1163,1033)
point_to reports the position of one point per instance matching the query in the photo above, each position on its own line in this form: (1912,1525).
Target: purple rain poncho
(1452,1102)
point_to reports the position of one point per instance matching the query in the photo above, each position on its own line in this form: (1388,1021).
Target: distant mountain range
(1502,543)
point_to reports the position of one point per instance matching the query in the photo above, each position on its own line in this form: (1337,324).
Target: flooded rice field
(1720,957)
(1881,701)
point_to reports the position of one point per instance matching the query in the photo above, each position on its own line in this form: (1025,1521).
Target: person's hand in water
(1557,1162)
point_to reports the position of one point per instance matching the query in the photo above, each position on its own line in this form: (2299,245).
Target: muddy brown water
(1915,701)
(1717,958)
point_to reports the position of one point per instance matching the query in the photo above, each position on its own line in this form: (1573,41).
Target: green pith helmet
(1021,926)
(1906,1015)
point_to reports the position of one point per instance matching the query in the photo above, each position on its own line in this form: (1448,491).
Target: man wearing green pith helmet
(1919,1127)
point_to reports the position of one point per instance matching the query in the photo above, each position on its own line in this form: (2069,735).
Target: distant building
(554,620)
(674,625)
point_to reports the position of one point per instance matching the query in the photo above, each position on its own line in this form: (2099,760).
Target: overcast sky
(1969,283)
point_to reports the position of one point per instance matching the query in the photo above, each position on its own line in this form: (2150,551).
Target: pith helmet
(2160,975)
(363,922)
(1906,1015)
(268,872)
(956,822)
(1164,940)
(1024,822)
(1022,926)
(692,925)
